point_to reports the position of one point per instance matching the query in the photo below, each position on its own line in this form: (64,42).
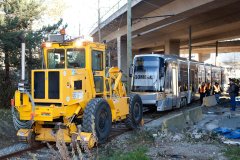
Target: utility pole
(190,43)
(189,59)
(129,41)
(99,22)
(216,53)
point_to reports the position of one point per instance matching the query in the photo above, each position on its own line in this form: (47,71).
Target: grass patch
(141,137)
(232,152)
(139,153)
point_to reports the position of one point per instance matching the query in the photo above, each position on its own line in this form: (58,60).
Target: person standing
(208,89)
(217,91)
(202,92)
(233,92)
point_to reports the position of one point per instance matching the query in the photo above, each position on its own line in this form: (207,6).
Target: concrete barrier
(176,121)
(209,101)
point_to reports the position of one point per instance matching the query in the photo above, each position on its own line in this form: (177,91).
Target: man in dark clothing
(202,92)
(208,89)
(233,92)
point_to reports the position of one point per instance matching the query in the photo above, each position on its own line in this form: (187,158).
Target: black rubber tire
(100,110)
(134,118)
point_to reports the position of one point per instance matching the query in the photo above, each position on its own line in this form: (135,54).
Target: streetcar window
(184,75)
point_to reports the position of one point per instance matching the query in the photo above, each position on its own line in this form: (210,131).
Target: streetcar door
(168,87)
(174,85)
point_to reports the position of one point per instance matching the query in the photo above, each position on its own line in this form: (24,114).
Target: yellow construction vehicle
(73,90)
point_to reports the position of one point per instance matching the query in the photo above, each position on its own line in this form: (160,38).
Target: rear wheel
(97,114)
(134,117)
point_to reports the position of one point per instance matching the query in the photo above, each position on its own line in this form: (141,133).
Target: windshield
(148,74)
(56,58)
(75,58)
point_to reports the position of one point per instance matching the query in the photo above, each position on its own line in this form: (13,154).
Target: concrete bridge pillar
(122,55)
(172,46)
(203,57)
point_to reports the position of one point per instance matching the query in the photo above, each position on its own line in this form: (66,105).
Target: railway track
(148,117)
(116,131)
(22,151)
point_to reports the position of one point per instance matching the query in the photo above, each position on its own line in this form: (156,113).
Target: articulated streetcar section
(165,82)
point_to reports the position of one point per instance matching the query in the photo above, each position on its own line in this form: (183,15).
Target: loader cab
(74,61)
(74,55)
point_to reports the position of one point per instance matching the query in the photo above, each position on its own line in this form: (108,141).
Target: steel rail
(22,151)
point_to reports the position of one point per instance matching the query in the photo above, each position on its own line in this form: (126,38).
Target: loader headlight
(47,45)
(78,43)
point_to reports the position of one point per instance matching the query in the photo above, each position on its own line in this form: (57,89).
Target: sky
(83,14)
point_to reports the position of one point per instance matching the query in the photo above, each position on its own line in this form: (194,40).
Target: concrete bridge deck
(210,21)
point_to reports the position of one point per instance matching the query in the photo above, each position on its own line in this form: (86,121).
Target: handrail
(108,13)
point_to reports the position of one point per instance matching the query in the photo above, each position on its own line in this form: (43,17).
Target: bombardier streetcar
(167,81)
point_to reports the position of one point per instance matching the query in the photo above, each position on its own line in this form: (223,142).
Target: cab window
(97,60)
(56,58)
(75,58)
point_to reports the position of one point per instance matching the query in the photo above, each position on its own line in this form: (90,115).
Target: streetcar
(165,82)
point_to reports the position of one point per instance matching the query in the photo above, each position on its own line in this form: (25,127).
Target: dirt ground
(164,146)
(196,142)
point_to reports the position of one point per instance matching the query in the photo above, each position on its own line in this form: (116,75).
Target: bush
(7,89)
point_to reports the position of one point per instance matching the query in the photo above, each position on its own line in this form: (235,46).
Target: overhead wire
(154,11)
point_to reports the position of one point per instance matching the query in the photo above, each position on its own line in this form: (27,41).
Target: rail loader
(73,93)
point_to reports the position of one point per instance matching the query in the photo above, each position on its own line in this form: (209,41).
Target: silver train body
(167,82)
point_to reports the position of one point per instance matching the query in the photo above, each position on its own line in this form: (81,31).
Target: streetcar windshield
(148,74)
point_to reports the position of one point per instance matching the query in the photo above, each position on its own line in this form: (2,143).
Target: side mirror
(130,70)
(161,72)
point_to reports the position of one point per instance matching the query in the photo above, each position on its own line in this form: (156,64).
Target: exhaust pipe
(21,84)
(23,62)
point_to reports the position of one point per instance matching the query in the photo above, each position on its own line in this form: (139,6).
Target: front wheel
(97,115)
(135,115)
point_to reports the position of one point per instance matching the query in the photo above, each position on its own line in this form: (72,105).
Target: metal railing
(108,13)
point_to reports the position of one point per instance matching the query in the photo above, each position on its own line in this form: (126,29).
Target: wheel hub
(136,111)
(102,120)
